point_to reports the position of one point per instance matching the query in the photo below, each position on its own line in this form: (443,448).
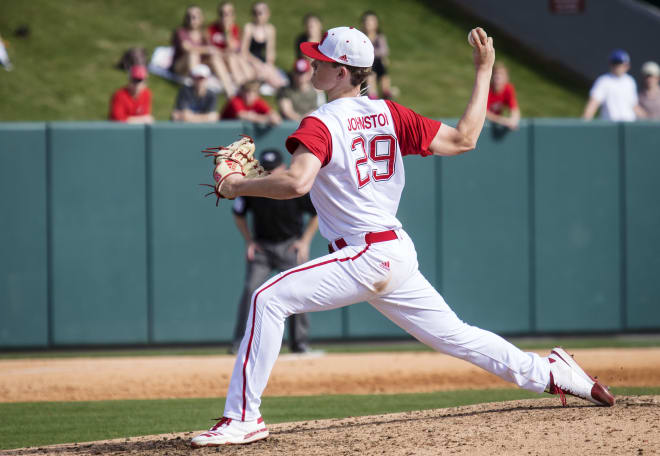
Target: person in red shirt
(502,104)
(248,105)
(132,103)
(225,35)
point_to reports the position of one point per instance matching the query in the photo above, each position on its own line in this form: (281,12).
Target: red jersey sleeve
(314,135)
(415,132)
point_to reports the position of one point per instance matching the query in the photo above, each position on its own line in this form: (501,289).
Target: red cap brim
(311,49)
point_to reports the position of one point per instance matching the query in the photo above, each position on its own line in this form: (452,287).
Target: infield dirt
(82,379)
(536,427)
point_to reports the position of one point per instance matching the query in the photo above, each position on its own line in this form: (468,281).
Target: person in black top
(313,32)
(258,46)
(278,241)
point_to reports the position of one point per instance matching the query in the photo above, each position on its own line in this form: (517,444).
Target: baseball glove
(236,158)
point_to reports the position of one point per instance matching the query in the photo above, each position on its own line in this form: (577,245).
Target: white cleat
(231,432)
(567,377)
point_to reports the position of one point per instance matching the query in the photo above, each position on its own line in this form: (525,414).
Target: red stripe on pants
(254,314)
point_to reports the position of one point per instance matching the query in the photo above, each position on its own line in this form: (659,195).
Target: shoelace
(224,421)
(554,389)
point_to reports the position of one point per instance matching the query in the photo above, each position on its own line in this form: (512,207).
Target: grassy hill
(64,68)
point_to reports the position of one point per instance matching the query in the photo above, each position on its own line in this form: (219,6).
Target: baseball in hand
(470,39)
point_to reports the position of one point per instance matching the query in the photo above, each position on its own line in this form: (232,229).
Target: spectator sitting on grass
(196,103)
(226,36)
(132,103)
(649,96)
(502,98)
(313,32)
(248,105)
(379,75)
(615,93)
(258,46)
(300,98)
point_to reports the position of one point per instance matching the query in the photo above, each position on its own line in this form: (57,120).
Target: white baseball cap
(651,69)
(200,71)
(346,45)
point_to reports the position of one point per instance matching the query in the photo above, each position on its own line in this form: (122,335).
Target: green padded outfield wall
(115,243)
(577,226)
(484,218)
(98,223)
(23,236)
(642,227)
(196,252)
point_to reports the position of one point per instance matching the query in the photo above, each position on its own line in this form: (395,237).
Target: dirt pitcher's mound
(534,427)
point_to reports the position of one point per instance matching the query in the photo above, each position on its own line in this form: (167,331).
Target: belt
(369,238)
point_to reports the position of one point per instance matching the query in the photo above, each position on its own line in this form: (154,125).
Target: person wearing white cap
(649,96)
(349,155)
(197,103)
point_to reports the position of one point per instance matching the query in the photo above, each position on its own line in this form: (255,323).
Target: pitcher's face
(325,75)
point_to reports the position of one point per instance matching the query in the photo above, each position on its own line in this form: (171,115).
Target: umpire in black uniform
(278,241)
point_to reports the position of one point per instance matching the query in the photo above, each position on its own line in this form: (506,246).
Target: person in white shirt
(615,93)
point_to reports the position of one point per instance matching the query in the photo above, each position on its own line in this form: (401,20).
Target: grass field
(64,69)
(68,422)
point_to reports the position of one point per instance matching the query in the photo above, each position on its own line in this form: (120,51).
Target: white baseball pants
(386,275)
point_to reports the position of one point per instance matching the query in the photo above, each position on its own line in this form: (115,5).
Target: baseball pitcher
(349,154)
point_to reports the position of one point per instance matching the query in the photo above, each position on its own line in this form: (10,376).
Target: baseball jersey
(360,143)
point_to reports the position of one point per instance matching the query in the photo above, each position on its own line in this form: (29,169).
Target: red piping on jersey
(254,313)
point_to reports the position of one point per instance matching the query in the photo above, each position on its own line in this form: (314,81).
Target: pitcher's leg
(420,310)
(322,284)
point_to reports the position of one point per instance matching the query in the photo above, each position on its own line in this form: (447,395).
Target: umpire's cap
(270,159)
